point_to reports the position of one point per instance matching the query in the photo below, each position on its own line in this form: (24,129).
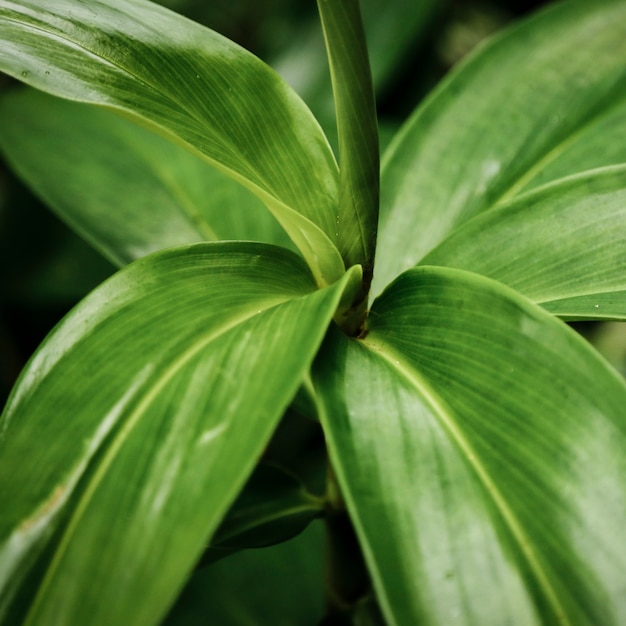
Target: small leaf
(480,445)
(499,121)
(561,245)
(273,507)
(141,417)
(123,188)
(195,87)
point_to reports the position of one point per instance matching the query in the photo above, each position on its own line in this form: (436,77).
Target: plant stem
(347,577)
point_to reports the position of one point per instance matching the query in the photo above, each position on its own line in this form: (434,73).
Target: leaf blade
(483,452)
(561,245)
(126,190)
(494,123)
(196,87)
(151,447)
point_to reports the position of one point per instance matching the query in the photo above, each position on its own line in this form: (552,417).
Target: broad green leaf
(593,147)
(123,188)
(194,86)
(281,586)
(499,121)
(561,245)
(357,131)
(481,448)
(140,418)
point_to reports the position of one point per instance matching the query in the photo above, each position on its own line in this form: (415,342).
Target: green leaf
(194,86)
(481,448)
(274,506)
(123,188)
(593,147)
(391,32)
(357,130)
(141,417)
(281,586)
(497,122)
(561,245)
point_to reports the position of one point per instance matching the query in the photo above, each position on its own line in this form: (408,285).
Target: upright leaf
(481,448)
(122,187)
(498,122)
(281,586)
(194,86)
(139,419)
(357,131)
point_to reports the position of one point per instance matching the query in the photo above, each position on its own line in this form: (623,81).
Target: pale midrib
(177,192)
(589,294)
(380,348)
(186,205)
(557,150)
(121,436)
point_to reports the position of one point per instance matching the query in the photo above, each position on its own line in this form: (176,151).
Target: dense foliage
(298,333)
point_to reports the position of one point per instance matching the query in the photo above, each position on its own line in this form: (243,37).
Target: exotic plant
(475,445)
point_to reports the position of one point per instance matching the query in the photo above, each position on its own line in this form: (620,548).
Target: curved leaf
(497,122)
(125,189)
(196,87)
(480,445)
(140,419)
(561,245)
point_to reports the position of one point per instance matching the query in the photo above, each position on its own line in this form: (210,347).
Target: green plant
(475,444)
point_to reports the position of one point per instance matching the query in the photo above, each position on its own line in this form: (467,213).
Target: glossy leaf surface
(391,30)
(480,445)
(562,245)
(196,87)
(124,188)
(357,131)
(498,122)
(141,417)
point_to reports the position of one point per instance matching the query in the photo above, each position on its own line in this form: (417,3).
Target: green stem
(348,581)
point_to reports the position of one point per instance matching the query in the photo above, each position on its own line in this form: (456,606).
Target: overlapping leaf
(138,420)
(562,245)
(481,448)
(274,506)
(537,95)
(123,188)
(196,87)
